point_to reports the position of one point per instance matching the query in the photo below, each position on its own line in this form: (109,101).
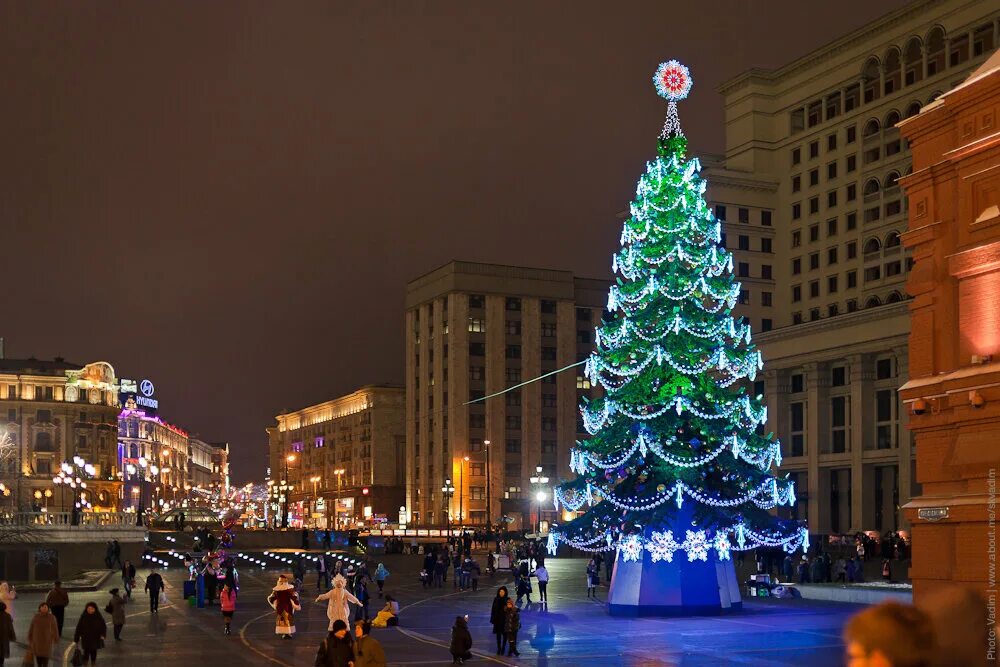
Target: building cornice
(833,323)
(863,36)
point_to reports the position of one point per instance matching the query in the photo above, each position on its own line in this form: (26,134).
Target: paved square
(572,630)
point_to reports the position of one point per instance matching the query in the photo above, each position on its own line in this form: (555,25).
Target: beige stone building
(473,330)
(343,460)
(155,458)
(808,191)
(51,412)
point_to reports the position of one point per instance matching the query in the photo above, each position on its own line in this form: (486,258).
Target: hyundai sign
(138,395)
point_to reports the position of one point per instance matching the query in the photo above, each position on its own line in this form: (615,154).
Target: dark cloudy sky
(228,198)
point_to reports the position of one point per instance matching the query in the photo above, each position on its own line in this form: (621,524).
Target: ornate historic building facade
(954,388)
(52,412)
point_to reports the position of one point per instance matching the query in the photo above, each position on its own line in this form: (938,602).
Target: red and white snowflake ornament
(672,80)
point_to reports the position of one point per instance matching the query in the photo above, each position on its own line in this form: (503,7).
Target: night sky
(229,198)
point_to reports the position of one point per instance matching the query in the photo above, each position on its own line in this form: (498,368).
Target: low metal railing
(65,519)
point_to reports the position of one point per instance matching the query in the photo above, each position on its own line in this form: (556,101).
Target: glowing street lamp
(448,490)
(538,480)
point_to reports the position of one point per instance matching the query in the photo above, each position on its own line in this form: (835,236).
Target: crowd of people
(46,627)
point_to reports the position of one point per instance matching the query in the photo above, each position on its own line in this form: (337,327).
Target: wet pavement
(570,630)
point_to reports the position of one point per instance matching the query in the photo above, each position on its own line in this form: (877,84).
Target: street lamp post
(538,480)
(489,494)
(461,490)
(284,520)
(315,479)
(339,472)
(448,490)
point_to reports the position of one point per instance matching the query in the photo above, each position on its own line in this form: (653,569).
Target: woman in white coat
(7,596)
(338,596)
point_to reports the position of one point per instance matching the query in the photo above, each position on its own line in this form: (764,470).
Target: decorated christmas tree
(677,469)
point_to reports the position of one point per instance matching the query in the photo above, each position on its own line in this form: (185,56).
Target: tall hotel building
(473,330)
(813,213)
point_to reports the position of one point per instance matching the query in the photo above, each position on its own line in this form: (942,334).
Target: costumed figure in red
(285,602)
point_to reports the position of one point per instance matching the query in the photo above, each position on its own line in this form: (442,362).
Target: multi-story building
(473,330)
(220,466)
(155,460)
(52,412)
(954,387)
(812,209)
(200,463)
(343,459)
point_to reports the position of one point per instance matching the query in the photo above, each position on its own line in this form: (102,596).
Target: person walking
(322,573)
(43,635)
(461,641)
(338,596)
(211,575)
(497,618)
(91,631)
(285,602)
(440,570)
(593,577)
(522,584)
(361,592)
(58,600)
(336,650)
(227,602)
(116,553)
(368,652)
(7,595)
(380,575)
(456,562)
(512,623)
(154,584)
(474,572)
(128,578)
(7,634)
(116,608)
(542,575)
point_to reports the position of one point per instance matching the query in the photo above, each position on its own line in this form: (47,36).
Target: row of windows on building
(743,215)
(47,393)
(874,208)
(834,309)
(920,58)
(766,244)
(851,165)
(45,417)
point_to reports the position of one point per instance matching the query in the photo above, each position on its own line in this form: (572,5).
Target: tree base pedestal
(678,588)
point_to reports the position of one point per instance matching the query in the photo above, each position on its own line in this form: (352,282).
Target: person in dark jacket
(336,650)
(58,600)
(128,578)
(461,641)
(116,607)
(91,631)
(6,632)
(497,618)
(512,623)
(154,584)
